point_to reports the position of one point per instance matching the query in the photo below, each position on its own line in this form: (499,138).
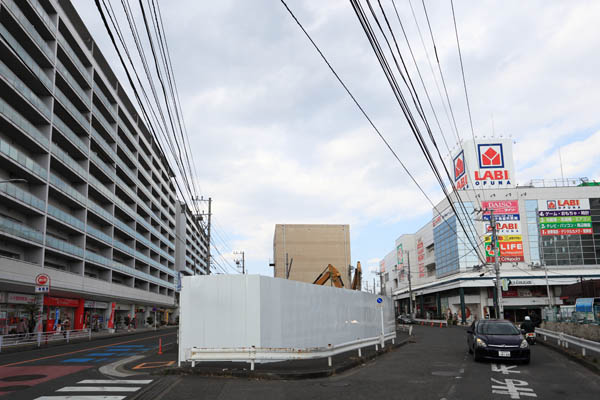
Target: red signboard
(60,302)
(501,206)
(42,279)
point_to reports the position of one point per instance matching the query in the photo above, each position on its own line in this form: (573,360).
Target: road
(436,367)
(73,370)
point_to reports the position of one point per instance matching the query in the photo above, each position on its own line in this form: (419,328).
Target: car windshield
(497,328)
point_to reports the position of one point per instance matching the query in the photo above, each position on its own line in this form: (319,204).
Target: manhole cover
(444,373)
(19,378)
(13,388)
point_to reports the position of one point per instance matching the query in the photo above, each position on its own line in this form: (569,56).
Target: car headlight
(524,344)
(481,343)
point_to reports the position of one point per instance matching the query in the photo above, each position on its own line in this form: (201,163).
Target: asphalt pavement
(74,369)
(437,366)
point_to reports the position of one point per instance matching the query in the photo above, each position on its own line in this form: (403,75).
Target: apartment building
(86,195)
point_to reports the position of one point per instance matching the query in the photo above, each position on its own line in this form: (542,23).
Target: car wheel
(476,357)
(527,361)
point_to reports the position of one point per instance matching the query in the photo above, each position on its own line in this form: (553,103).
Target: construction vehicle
(356,281)
(330,273)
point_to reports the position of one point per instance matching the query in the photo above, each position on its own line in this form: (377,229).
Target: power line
(363,112)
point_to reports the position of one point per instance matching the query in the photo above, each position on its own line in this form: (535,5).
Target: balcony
(30,29)
(99,186)
(66,218)
(20,230)
(64,72)
(67,189)
(74,111)
(68,161)
(102,165)
(24,90)
(44,17)
(14,191)
(103,121)
(65,130)
(98,234)
(26,58)
(99,210)
(104,100)
(16,118)
(74,59)
(23,160)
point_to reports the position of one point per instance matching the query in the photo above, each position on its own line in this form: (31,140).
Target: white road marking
(505,369)
(81,398)
(114,381)
(512,387)
(99,389)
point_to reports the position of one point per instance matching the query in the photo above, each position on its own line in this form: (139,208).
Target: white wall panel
(233,311)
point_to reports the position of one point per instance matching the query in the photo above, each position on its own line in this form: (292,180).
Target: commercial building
(308,249)
(551,226)
(97,210)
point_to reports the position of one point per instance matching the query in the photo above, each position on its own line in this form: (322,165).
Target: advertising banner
(576,231)
(421,257)
(563,205)
(400,255)
(500,207)
(566,225)
(504,228)
(576,219)
(111,320)
(564,213)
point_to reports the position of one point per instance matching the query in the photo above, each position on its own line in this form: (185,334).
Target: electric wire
(364,113)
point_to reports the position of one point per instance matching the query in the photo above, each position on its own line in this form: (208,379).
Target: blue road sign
(379,300)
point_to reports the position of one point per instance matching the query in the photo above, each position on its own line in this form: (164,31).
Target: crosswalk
(103,389)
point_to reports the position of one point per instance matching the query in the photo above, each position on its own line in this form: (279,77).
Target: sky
(276,139)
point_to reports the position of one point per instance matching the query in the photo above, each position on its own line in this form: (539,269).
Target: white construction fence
(253,318)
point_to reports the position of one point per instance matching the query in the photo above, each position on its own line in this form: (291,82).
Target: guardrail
(564,340)
(253,354)
(405,328)
(433,322)
(40,338)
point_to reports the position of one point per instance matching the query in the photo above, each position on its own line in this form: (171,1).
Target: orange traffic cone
(440,324)
(160,346)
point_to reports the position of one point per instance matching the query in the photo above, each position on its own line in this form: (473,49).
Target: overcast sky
(277,140)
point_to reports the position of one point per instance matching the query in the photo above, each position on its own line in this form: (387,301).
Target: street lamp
(13,181)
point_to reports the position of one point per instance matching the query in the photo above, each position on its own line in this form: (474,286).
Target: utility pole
(202,214)
(237,261)
(410,307)
(496,249)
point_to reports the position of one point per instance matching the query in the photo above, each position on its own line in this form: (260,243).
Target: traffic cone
(432,324)
(440,324)
(160,346)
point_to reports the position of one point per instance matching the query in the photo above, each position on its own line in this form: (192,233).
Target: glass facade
(564,249)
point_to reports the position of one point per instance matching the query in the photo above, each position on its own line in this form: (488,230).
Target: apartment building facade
(86,195)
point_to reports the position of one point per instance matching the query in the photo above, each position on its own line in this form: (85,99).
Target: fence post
(39,338)
(68,336)
(583,351)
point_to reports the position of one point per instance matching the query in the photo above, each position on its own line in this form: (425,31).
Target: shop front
(521,301)
(60,309)
(95,312)
(13,308)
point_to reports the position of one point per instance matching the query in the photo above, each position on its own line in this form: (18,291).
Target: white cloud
(277,140)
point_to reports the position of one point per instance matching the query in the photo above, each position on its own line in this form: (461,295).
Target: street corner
(154,361)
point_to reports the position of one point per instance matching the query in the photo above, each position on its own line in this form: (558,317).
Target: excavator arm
(356,281)
(330,272)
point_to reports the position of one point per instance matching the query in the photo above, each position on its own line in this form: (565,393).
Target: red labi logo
(490,158)
(459,167)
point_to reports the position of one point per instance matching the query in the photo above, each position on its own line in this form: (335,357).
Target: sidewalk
(166,364)
(94,336)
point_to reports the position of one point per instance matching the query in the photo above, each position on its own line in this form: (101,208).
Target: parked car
(500,340)
(405,319)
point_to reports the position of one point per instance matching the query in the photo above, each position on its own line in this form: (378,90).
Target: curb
(273,375)
(594,367)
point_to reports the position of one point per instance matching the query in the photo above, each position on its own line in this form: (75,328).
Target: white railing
(432,322)
(564,340)
(40,338)
(253,354)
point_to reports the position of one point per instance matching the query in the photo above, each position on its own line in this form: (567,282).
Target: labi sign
(484,164)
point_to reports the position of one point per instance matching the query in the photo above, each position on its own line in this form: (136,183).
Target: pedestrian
(21,327)
(66,326)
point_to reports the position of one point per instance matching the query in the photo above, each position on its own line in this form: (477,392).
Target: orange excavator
(332,273)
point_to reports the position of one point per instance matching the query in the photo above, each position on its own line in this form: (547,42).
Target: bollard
(359,352)
(440,325)
(39,339)
(68,336)
(252,365)
(160,346)
(329,361)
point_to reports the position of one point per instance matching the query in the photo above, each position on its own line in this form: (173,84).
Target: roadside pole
(410,307)
(499,305)
(380,304)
